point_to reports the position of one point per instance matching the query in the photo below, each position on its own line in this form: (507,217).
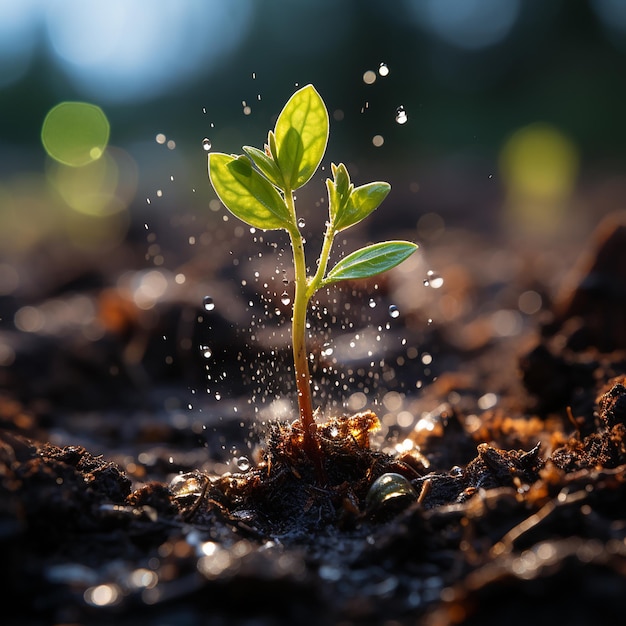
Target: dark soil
(114,509)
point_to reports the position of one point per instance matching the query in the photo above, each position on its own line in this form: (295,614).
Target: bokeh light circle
(75,133)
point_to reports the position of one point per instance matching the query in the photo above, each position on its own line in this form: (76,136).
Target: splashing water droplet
(401,116)
(433,280)
(206,144)
(383,69)
(284,298)
(394,311)
(242,463)
(207,303)
(301,223)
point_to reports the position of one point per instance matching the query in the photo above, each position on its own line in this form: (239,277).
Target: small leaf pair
(295,150)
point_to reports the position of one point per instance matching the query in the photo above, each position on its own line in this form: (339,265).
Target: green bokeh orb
(75,133)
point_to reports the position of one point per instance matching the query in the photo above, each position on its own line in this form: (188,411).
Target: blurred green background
(511,115)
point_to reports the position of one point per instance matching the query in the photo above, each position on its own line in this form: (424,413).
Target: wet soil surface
(486,485)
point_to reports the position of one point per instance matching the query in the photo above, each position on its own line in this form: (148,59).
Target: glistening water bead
(207,303)
(433,280)
(401,116)
(242,463)
(394,311)
(206,144)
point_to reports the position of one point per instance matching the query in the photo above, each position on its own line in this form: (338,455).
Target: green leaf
(266,164)
(361,202)
(301,135)
(271,145)
(246,194)
(370,261)
(339,190)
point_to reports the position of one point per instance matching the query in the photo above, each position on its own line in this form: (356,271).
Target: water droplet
(301,223)
(389,493)
(433,280)
(383,69)
(242,463)
(206,144)
(401,116)
(189,484)
(369,77)
(206,352)
(394,311)
(207,303)
(284,298)
(372,303)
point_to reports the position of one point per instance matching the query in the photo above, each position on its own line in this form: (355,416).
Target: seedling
(263,197)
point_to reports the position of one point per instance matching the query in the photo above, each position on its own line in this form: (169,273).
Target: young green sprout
(263,197)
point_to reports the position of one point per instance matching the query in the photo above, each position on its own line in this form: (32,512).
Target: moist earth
(503,499)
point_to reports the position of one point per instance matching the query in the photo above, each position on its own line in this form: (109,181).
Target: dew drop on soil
(401,116)
(394,311)
(242,463)
(206,144)
(383,69)
(189,484)
(207,303)
(284,298)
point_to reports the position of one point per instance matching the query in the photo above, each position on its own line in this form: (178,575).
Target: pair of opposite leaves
(263,198)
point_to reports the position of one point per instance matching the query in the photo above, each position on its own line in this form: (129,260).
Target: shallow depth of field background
(502,117)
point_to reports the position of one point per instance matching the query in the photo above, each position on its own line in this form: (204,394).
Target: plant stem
(316,281)
(298,340)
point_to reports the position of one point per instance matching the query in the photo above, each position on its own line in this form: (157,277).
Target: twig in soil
(506,544)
